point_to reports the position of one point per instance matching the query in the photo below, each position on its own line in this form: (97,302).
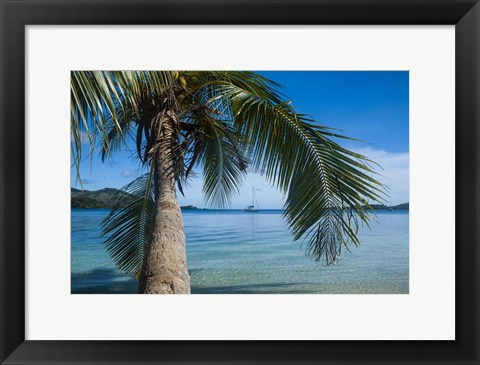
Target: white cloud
(394,172)
(126,173)
(84,139)
(87,182)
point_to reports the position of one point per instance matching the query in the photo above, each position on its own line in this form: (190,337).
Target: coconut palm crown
(218,123)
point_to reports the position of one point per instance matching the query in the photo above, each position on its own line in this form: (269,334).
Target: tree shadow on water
(111,281)
(269,288)
(103,281)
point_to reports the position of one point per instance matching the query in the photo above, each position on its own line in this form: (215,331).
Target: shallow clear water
(238,252)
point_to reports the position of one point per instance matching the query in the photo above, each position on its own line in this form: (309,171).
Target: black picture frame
(15,15)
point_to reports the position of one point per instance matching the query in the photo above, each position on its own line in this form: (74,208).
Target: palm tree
(220,123)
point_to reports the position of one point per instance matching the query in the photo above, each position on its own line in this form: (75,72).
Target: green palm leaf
(224,165)
(327,186)
(221,148)
(128,227)
(104,103)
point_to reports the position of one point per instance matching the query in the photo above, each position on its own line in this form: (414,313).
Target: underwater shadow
(111,281)
(102,281)
(271,288)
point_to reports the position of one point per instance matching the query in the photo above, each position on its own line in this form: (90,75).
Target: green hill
(404,206)
(104,198)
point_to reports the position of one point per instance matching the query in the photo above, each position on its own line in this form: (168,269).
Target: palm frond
(128,227)
(219,145)
(104,102)
(224,166)
(327,186)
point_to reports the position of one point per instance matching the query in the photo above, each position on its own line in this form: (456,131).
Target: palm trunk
(165,265)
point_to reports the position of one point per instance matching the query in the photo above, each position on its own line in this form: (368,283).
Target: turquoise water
(232,251)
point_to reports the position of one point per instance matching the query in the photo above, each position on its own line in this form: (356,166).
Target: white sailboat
(253,207)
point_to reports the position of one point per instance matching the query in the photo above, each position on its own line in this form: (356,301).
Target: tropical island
(99,199)
(403,206)
(189,207)
(104,199)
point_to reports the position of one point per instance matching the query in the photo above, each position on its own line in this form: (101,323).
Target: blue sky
(372,106)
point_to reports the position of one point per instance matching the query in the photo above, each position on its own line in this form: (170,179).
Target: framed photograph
(303,176)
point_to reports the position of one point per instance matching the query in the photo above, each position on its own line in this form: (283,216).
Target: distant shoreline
(105,199)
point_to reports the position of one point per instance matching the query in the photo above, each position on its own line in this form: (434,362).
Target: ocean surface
(236,252)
